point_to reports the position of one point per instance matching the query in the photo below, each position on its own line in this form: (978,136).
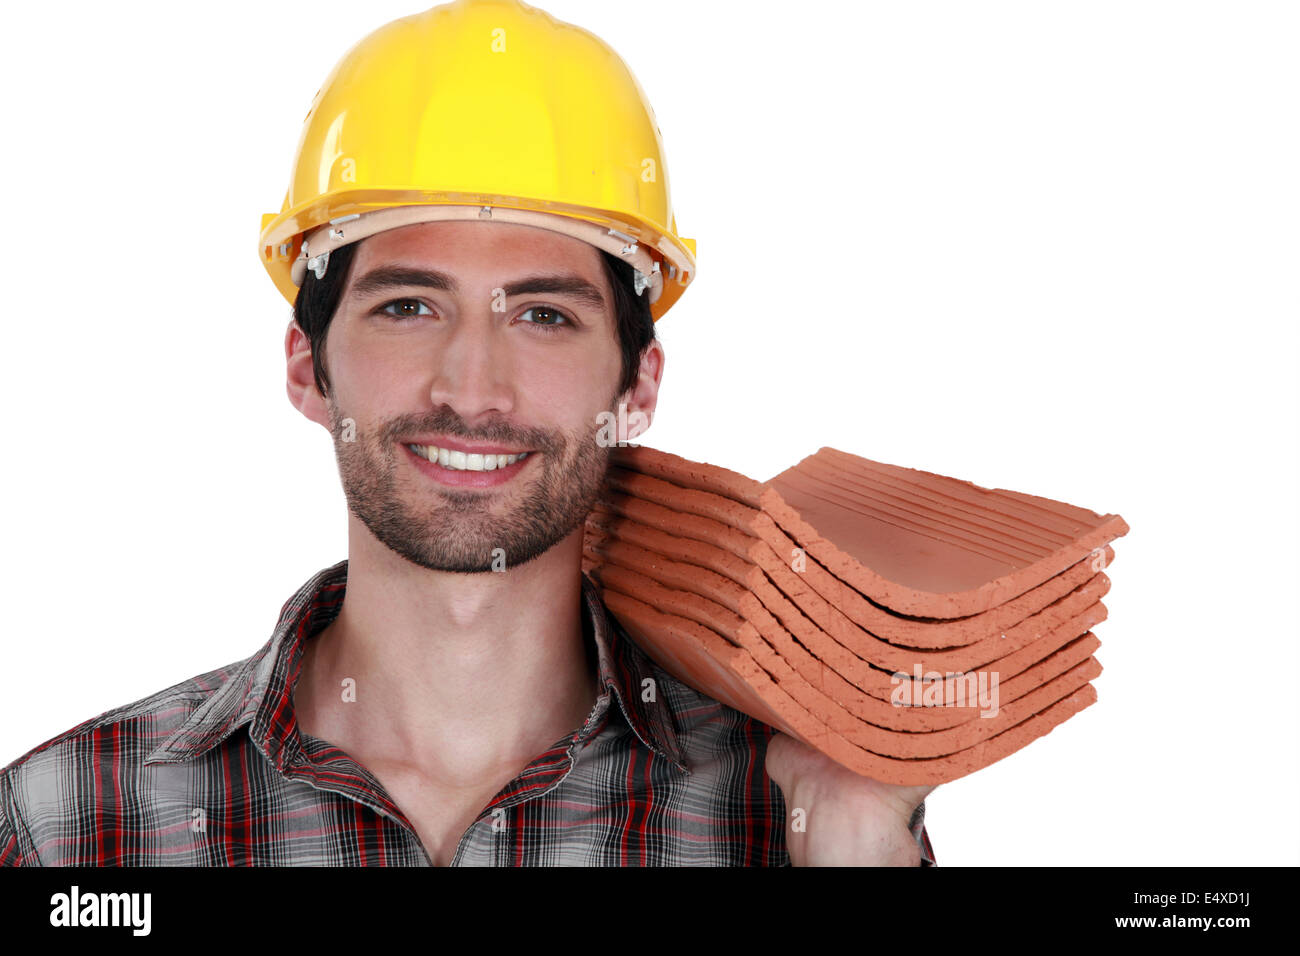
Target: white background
(1042,246)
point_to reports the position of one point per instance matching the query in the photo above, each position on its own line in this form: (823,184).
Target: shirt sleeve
(10,855)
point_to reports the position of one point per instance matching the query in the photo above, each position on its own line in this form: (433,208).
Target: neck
(461,675)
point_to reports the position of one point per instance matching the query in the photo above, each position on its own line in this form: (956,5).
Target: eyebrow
(569,285)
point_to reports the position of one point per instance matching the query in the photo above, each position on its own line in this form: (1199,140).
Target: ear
(643,397)
(301,383)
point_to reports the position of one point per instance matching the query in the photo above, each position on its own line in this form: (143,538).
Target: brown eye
(404,307)
(548,318)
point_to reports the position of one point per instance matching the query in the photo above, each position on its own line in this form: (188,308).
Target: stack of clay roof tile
(854,605)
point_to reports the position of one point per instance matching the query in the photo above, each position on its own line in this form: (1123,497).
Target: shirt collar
(628,672)
(259,690)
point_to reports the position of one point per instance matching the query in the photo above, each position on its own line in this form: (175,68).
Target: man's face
(489,364)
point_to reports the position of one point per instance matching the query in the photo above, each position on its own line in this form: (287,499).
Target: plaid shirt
(214,772)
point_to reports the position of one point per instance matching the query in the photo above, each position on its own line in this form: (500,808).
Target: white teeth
(463,461)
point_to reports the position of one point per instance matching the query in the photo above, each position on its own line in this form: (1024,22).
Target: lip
(468,447)
(466,479)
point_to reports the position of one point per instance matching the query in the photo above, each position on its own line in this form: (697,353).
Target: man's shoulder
(725,810)
(125,735)
(702,724)
(710,734)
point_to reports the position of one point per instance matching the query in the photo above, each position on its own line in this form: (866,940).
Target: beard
(452,529)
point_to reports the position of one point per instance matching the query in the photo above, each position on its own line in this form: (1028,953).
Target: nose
(473,371)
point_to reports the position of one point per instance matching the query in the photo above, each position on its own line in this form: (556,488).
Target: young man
(455,692)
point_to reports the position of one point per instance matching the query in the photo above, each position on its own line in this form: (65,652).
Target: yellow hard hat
(481,109)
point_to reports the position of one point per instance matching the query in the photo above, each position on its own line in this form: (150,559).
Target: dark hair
(318,300)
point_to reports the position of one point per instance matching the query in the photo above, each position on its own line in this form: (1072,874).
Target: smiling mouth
(465,461)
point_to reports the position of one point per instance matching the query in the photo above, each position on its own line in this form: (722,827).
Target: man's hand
(837,818)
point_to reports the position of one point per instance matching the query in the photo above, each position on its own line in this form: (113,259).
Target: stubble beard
(460,530)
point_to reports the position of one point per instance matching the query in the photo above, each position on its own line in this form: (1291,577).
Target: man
(455,691)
